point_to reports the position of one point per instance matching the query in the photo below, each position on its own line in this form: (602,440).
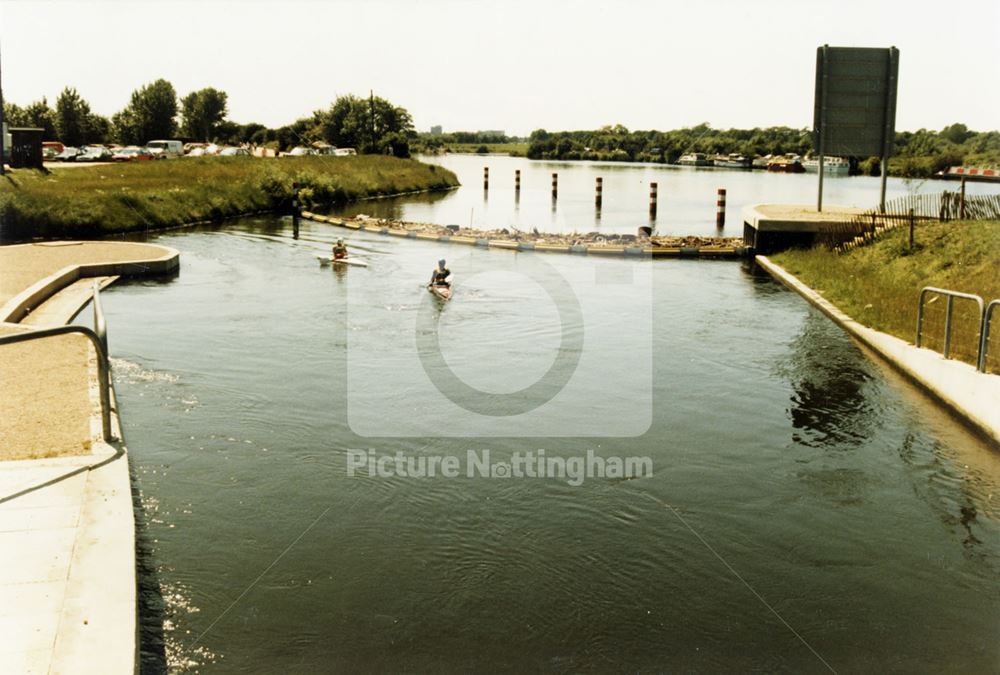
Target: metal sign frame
(855,105)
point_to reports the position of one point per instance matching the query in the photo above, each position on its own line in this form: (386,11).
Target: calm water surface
(686,203)
(807,510)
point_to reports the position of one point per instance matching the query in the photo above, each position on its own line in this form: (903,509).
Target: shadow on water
(152,607)
(829,406)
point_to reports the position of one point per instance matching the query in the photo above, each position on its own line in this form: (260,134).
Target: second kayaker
(439,277)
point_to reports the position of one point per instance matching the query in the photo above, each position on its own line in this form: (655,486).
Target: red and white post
(598,192)
(652,200)
(720,209)
(555,185)
(486,178)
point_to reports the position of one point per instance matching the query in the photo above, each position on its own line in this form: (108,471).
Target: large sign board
(855,109)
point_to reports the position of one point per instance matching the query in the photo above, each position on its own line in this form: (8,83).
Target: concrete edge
(576,249)
(969,400)
(21,304)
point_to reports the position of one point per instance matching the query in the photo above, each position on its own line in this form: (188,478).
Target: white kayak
(443,292)
(327,260)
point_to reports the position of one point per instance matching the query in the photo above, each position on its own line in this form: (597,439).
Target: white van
(164,149)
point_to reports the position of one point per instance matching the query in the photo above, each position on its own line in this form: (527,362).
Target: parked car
(197,152)
(234,152)
(69,154)
(164,149)
(95,153)
(50,149)
(132,153)
(345,152)
(300,152)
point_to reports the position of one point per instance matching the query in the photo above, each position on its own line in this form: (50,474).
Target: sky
(512,65)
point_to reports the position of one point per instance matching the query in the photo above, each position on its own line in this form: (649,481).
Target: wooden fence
(908,211)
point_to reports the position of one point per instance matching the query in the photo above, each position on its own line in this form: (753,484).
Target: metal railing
(984,334)
(99,338)
(951,295)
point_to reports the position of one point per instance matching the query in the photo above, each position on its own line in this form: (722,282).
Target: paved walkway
(67,546)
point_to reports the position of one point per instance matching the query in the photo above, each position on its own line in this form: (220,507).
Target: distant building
(436,130)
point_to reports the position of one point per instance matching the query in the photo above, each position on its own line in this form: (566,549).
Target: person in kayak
(439,277)
(339,250)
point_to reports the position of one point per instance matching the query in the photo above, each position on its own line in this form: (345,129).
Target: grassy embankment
(512,149)
(879,285)
(91,201)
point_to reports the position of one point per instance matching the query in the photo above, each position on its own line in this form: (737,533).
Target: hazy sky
(509,64)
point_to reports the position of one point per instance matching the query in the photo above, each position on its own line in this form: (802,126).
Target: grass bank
(879,284)
(92,201)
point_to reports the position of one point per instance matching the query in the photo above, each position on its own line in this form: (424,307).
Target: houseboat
(832,166)
(733,160)
(694,159)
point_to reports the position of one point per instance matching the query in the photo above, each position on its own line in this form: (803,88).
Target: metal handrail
(99,337)
(984,334)
(951,295)
(103,368)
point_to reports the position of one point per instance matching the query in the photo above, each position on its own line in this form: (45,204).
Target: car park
(165,149)
(95,153)
(132,153)
(69,154)
(234,152)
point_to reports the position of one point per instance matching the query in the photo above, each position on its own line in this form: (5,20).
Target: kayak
(443,292)
(327,260)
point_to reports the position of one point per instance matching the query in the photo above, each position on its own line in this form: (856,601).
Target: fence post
(961,201)
(911,229)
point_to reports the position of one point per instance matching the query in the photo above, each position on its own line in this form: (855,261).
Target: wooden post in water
(652,200)
(720,208)
(517,181)
(555,185)
(295,210)
(598,192)
(486,178)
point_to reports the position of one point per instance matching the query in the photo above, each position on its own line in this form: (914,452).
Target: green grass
(91,201)
(879,284)
(513,149)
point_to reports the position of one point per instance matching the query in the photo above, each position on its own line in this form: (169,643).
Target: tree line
(371,125)
(919,154)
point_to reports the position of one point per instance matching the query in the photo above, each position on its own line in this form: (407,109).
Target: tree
(72,118)
(38,114)
(372,125)
(957,133)
(203,112)
(149,115)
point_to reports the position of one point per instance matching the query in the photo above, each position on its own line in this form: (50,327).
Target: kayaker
(439,277)
(339,250)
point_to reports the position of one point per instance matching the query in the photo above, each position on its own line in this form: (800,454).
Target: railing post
(947,325)
(984,335)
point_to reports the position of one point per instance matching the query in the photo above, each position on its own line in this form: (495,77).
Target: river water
(806,509)
(685,204)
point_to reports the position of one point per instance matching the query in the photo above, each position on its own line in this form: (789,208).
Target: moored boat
(834,166)
(733,160)
(790,163)
(694,159)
